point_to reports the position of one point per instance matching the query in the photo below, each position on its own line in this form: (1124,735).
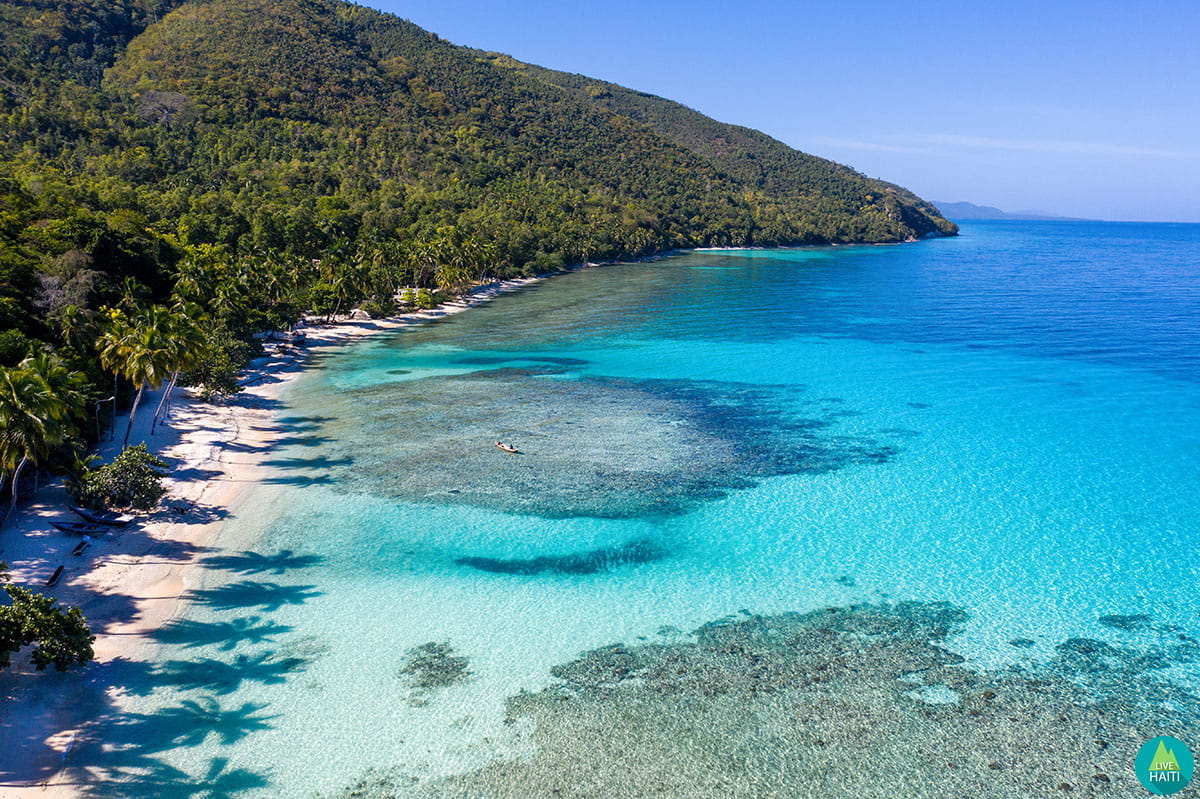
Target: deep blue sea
(1008,421)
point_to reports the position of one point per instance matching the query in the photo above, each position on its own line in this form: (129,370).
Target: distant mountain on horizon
(970,211)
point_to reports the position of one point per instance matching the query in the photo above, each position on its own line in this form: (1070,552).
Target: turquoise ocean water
(1008,421)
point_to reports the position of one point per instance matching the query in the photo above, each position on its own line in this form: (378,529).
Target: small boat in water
(79,528)
(508,448)
(105,517)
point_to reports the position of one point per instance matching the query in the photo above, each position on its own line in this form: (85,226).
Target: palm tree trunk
(12,505)
(158,409)
(164,401)
(171,396)
(132,411)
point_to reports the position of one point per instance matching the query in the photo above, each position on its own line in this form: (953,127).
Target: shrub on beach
(132,480)
(60,635)
(425,299)
(378,309)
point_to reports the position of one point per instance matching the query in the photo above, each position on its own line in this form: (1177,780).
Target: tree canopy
(205,170)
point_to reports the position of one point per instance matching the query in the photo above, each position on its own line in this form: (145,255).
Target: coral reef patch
(860,701)
(589,446)
(434,665)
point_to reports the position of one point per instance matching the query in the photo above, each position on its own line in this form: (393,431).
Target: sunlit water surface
(1008,421)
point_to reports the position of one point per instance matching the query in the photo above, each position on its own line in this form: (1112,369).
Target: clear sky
(1078,108)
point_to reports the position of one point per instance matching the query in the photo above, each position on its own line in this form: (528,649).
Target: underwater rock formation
(861,701)
(434,665)
(590,446)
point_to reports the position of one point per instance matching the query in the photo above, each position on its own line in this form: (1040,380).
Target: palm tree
(38,398)
(25,410)
(421,259)
(111,347)
(132,292)
(140,350)
(187,343)
(67,387)
(69,390)
(452,259)
(75,326)
(346,275)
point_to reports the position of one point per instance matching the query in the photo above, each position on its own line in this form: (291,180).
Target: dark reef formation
(590,446)
(434,665)
(861,701)
(430,667)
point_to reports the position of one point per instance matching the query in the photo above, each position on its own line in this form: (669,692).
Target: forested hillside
(813,194)
(247,160)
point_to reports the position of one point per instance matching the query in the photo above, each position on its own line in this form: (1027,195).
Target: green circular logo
(1164,765)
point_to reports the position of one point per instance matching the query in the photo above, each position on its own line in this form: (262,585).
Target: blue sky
(1079,108)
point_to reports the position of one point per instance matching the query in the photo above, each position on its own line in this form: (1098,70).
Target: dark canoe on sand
(80,528)
(105,517)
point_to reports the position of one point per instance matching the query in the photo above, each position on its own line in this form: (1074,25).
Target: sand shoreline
(130,583)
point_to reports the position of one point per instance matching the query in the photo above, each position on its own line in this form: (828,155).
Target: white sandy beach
(130,582)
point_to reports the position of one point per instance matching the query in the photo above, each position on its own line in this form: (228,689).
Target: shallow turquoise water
(1009,421)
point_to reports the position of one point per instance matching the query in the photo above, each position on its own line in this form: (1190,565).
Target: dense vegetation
(60,636)
(797,197)
(132,480)
(175,176)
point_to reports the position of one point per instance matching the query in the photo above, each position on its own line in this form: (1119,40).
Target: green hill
(220,116)
(804,186)
(146,140)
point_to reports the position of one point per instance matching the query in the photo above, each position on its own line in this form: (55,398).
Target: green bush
(14,346)
(544,262)
(132,480)
(323,298)
(378,309)
(61,634)
(425,299)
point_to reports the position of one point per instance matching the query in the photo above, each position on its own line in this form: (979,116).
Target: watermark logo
(1164,765)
